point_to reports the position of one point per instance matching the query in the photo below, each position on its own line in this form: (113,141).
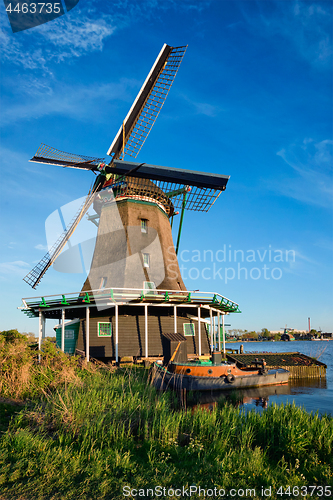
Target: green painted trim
(224,305)
(108,329)
(64,301)
(181,221)
(171,194)
(43,303)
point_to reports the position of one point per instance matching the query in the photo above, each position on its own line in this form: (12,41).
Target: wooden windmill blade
(148,103)
(52,156)
(34,277)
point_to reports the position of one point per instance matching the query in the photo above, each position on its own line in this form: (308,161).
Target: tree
(10,336)
(250,335)
(265,333)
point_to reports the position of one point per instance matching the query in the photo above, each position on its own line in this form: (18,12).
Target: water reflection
(258,397)
(315,394)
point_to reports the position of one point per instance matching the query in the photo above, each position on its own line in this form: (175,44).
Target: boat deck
(300,365)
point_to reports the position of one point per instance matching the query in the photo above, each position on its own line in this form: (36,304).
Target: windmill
(135,204)
(174,189)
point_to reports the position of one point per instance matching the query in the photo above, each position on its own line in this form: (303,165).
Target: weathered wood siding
(131,333)
(117,259)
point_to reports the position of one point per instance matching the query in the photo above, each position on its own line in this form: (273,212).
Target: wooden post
(88,334)
(116,321)
(219,329)
(223,336)
(63,330)
(211,330)
(43,326)
(199,331)
(41,332)
(175,319)
(146,331)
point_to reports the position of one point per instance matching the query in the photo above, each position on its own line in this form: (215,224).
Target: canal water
(314,394)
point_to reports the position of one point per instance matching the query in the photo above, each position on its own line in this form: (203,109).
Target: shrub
(22,376)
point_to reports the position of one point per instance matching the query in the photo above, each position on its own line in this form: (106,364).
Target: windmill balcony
(118,322)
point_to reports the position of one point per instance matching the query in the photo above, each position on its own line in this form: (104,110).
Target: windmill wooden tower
(135,261)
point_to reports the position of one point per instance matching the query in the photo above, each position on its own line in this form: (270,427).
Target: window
(144,226)
(146,259)
(149,285)
(105,329)
(103,283)
(69,334)
(189,329)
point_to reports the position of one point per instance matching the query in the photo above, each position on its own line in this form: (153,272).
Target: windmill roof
(177,175)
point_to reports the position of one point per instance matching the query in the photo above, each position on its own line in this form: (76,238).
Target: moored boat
(206,376)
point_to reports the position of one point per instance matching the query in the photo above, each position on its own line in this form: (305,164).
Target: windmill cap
(176,175)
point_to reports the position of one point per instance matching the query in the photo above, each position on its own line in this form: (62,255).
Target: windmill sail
(148,103)
(138,122)
(52,156)
(35,275)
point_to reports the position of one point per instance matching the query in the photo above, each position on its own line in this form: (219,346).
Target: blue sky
(252,99)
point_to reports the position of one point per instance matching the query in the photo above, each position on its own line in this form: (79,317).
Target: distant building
(287,337)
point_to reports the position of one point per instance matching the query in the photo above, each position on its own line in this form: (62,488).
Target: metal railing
(132,295)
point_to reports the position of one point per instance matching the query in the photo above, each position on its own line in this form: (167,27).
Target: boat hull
(163,379)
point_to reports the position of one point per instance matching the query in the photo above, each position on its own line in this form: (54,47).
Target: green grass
(70,430)
(7,411)
(88,440)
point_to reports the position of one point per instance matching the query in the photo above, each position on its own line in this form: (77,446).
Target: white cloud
(307,25)
(17,268)
(201,108)
(77,36)
(69,36)
(41,247)
(83,30)
(80,102)
(310,179)
(30,173)
(204,108)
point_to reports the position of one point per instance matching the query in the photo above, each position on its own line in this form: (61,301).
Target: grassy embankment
(86,432)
